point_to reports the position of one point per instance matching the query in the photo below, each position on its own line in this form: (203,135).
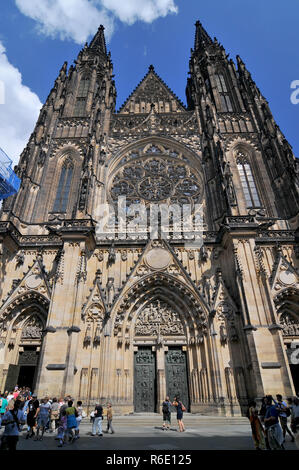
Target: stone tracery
(156,174)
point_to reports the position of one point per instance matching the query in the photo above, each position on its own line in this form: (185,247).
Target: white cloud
(18,110)
(78,19)
(66,19)
(130,11)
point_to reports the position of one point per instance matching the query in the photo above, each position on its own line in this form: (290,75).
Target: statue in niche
(111,255)
(110,291)
(229,183)
(233,334)
(87,337)
(223,333)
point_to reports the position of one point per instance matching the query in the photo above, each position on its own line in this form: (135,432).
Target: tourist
(62,427)
(180,409)
(263,409)
(3,406)
(97,423)
(79,418)
(33,406)
(10,396)
(295,419)
(109,419)
(71,414)
(284,412)
(63,407)
(54,415)
(166,410)
(258,432)
(16,392)
(12,420)
(42,415)
(272,426)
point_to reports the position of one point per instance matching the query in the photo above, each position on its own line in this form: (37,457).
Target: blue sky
(36,37)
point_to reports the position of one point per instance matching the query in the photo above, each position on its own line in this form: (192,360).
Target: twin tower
(131,319)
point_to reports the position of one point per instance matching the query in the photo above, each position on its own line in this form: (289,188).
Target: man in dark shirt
(98,417)
(33,405)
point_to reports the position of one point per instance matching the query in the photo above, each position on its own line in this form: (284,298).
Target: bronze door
(176,375)
(145,381)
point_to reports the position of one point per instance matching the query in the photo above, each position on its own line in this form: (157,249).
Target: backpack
(288,412)
(183,407)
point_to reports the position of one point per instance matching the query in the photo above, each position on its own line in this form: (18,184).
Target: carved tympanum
(158,318)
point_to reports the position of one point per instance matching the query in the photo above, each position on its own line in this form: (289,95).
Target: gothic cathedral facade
(132,319)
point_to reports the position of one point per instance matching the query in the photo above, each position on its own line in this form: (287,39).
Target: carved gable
(152,92)
(283,274)
(34,282)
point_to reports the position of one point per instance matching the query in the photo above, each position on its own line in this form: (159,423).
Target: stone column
(161,379)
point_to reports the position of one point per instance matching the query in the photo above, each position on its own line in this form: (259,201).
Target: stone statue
(223,334)
(110,291)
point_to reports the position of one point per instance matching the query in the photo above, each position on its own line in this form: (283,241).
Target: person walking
(272,426)
(3,406)
(62,428)
(42,414)
(284,412)
(71,415)
(166,410)
(109,418)
(258,432)
(32,408)
(12,420)
(78,418)
(54,415)
(180,409)
(97,424)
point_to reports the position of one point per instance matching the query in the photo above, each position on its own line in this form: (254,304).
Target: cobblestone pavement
(144,432)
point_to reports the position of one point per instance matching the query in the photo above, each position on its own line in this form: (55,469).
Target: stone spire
(202,39)
(98,42)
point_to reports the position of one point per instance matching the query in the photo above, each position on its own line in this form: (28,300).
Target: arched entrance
(287,303)
(161,319)
(22,335)
(159,332)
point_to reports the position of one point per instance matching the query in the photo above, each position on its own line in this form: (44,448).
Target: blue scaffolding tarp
(9,181)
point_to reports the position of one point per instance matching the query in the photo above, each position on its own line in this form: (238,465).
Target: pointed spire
(202,39)
(98,42)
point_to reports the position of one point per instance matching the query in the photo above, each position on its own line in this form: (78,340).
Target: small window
(226,104)
(83,87)
(64,186)
(247,181)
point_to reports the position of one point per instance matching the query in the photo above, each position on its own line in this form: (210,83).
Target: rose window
(157,178)
(155,188)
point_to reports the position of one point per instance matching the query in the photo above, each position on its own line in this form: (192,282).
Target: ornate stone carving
(158,318)
(154,179)
(32,329)
(290,325)
(225,315)
(110,291)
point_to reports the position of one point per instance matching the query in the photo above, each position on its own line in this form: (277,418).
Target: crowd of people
(21,408)
(269,425)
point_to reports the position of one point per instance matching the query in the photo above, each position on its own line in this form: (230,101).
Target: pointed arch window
(247,181)
(80,105)
(64,185)
(226,104)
